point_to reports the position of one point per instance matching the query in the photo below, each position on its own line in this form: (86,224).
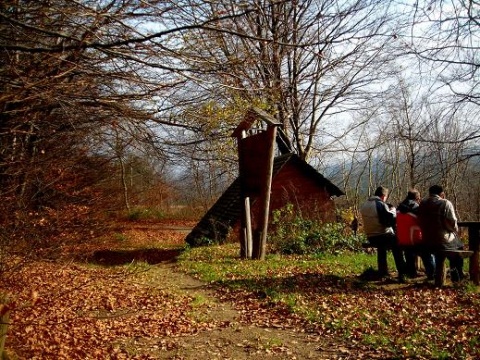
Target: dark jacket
(407,206)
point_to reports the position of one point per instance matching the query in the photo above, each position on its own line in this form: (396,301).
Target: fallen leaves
(79,312)
(414,321)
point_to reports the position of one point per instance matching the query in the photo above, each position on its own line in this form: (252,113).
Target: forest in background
(126,107)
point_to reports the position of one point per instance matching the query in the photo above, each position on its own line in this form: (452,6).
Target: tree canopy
(368,91)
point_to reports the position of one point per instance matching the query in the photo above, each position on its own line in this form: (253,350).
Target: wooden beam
(265,197)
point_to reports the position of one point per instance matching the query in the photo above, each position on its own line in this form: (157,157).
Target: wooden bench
(440,256)
(473,245)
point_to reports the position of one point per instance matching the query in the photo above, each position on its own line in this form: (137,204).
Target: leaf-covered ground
(77,309)
(412,320)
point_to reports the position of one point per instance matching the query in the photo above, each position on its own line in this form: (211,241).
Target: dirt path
(236,340)
(229,335)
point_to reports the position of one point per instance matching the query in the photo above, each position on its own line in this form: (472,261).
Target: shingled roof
(225,213)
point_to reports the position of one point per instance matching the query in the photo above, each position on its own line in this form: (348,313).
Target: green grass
(145,214)
(410,320)
(220,262)
(120,238)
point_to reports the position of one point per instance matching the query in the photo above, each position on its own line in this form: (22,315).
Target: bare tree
(406,114)
(444,35)
(303,61)
(72,71)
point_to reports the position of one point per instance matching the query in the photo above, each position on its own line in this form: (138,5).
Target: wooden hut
(293,181)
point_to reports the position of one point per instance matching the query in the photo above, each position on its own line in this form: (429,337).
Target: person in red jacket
(409,235)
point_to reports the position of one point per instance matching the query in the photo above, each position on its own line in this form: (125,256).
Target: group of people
(415,228)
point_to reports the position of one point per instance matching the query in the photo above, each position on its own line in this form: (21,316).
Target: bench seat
(462,253)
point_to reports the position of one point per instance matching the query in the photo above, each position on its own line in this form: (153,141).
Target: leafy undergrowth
(325,297)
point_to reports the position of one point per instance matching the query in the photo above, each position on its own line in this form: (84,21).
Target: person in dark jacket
(439,227)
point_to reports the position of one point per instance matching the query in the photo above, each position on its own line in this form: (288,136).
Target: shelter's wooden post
(248,229)
(245,224)
(265,196)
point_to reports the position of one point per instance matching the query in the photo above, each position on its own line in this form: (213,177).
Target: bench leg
(440,273)
(419,264)
(382,262)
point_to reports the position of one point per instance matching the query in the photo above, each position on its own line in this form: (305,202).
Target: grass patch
(222,263)
(326,293)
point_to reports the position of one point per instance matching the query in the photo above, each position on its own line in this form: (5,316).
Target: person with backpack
(410,238)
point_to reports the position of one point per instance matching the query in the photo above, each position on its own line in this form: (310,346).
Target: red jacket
(408,229)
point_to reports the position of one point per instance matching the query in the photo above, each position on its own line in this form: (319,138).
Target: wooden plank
(462,253)
(266,117)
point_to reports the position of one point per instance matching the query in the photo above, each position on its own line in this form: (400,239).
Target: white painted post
(248,224)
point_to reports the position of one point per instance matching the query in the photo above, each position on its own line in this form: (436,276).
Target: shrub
(145,214)
(203,241)
(292,234)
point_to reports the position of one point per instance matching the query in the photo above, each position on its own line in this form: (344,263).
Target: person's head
(436,190)
(414,195)
(381,192)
